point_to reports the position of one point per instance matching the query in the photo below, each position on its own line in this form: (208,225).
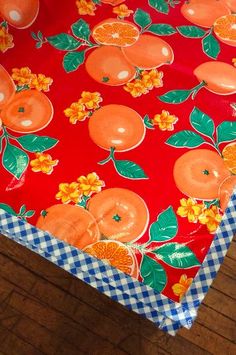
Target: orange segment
(115,32)
(229,156)
(225,29)
(225,191)
(19,13)
(115,254)
(121,214)
(116,126)
(29,111)
(149,52)
(199,173)
(7,87)
(73,224)
(108,66)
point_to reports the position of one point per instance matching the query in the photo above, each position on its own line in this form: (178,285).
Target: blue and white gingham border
(166,313)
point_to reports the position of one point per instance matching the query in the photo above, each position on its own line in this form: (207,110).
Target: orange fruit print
(108,66)
(19,13)
(231,4)
(225,29)
(225,191)
(115,254)
(149,52)
(204,12)
(229,156)
(115,32)
(112,2)
(199,173)
(7,87)
(73,224)
(29,111)
(121,214)
(116,126)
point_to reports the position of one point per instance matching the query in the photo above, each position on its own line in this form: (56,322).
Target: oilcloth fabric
(118,144)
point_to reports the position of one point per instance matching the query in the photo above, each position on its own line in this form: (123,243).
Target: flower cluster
(182,286)
(84,186)
(165,121)
(122,11)
(43,163)
(23,76)
(86,7)
(197,212)
(146,81)
(6,39)
(78,111)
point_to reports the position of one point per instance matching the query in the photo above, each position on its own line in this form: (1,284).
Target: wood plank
(229,267)
(225,284)
(227,308)
(232,250)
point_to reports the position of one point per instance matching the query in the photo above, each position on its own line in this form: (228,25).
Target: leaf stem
(110,157)
(197,88)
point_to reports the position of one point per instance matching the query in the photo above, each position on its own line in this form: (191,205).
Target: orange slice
(225,191)
(225,29)
(229,156)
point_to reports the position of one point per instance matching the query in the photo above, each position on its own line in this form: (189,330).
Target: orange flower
(43,163)
(122,11)
(40,82)
(182,286)
(190,208)
(6,39)
(211,218)
(22,76)
(234,61)
(68,193)
(152,79)
(86,7)
(136,88)
(90,184)
(165,121)
(90,100)
(76,112)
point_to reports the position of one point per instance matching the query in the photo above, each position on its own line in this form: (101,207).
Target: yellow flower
(76,112)
(152,79)
(136,88)
(165,121)
(190,208)
(182,286)
(68,193)
(234,61)
(90,99)
(90,183)
(211,218)
(43,163)
(6,39)
(22,76)
(122,11)
(40,82)
(86,7)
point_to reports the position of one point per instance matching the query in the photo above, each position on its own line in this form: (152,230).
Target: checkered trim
(142,299)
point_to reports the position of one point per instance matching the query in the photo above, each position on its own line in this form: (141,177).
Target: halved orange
(7,87)
(149,52)
(229,156)
(121,214)
(115,254)
(115,32)
(225,191)
(225,29)
(19,13)
(116,126)
(28,111)
(73,224)
(198,173)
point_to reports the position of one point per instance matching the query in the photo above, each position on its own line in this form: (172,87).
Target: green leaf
(187,139)
(64,42)
(40,35)
(153,273)
(226,132)
(15,160)
(38,45)
(175,96)
(1,139)
(159,5)
(142,18)
(81,29)
(7,208)
(191,31)
(162,29)
(177,255)
(147,122)
(211,46)
(129,169)
(22,209)
(34,36)
(29,213)
(202,122)
(73,60)
(165,227)
(34,143)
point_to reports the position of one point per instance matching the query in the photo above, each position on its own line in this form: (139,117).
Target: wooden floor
(44,310)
